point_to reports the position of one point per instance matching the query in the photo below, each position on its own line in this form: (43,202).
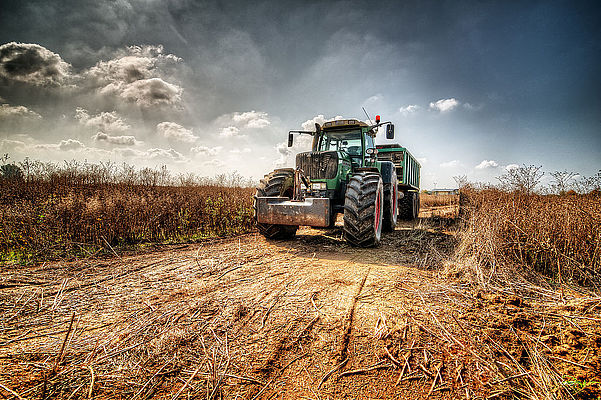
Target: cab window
(369,142)
(347,141)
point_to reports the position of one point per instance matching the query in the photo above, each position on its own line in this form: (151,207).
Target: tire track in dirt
(348,321)
(271,368)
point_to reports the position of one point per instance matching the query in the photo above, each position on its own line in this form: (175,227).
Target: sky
(473,87)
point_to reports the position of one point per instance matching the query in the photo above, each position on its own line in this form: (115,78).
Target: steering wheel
(354,150)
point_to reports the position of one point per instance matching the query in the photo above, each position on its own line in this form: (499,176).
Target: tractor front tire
(364,209)
(275,184)
(391,200)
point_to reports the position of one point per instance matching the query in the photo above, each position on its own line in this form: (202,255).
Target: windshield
(347,141)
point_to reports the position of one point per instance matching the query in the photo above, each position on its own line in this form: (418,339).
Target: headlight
(318,186)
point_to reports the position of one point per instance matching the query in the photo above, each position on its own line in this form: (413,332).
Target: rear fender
(387,170)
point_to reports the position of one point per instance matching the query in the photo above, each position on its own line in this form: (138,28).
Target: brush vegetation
(52,210)
(513,229)
(437,200)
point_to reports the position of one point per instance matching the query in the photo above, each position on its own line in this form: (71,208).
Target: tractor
(345,172)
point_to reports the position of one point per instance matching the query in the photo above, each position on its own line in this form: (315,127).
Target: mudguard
(386,170)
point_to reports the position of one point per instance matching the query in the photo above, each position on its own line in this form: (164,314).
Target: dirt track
(250,318)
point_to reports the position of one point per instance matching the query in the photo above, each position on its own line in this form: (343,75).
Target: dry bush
(431,200)
(556,236)
(57,211)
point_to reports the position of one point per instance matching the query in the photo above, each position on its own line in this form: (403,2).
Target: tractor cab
(348,137)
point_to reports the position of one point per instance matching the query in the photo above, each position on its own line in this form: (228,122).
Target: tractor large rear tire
(391,196)
(277,183)
(408,206)
(363,209)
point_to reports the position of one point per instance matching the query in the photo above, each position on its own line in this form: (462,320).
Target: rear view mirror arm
(291,138)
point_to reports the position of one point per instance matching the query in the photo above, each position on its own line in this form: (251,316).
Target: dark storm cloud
(31,63)
(459,77)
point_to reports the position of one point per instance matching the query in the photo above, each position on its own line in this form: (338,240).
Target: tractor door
(369,143)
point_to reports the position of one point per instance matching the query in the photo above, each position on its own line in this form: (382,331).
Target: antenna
(367,115)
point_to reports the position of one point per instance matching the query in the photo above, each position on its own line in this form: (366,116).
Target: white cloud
(8,112)
(214,163)
(511,166)
(166,154)
(204,150)
(486,164)
(129,152)
(229,131)
(373,98)
(444,105)
(472,107)
(136,75)
(284,153)
(309,125)
(32,64)
(70,144)
(240,151)
(123,69)
(105,121)
(252,119)
(146,92)
(7,145)
(422,160)
(64,145)
(410,109)
(131,64)
(174,131)
(120,140)
(450,164)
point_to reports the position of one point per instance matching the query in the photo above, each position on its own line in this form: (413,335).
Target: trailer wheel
(407,206)
(391,199)
(277,183)
(364,209)
(417,205)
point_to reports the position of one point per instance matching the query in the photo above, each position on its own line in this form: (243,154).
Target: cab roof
(343,123)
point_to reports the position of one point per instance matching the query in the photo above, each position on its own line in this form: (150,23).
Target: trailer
(408,177)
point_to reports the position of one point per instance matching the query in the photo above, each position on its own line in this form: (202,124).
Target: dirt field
(308,318)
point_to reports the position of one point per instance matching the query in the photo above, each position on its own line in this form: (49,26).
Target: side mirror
(290,139)
(390,131)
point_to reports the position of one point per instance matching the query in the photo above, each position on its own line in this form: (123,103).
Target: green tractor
(345,172)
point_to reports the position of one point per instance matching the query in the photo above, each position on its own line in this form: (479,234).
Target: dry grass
(533,266)
(79,211)
(432,200)
(557,237)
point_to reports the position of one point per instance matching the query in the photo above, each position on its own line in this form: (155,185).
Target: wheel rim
(394,203)
(378,211)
